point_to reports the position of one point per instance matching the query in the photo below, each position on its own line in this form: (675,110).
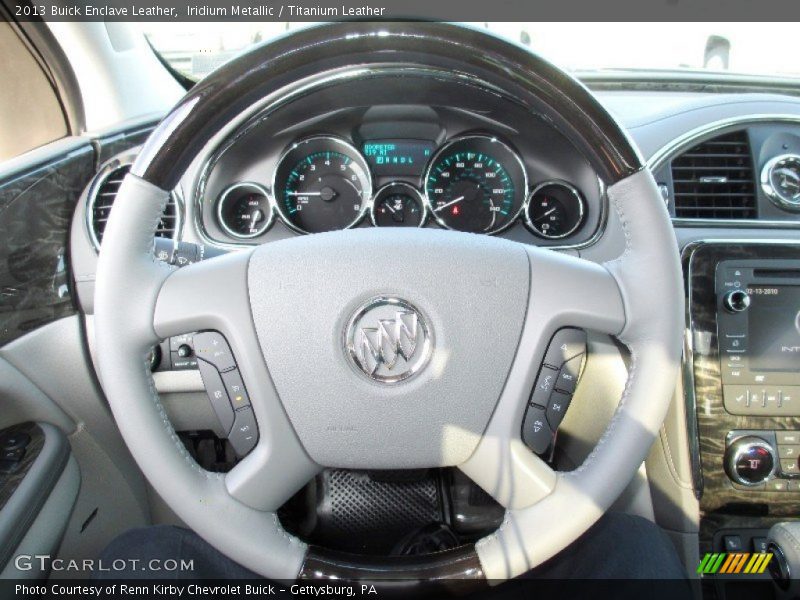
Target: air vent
(714,180)
(102,198)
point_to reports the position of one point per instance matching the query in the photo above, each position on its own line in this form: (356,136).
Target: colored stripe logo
(734,562)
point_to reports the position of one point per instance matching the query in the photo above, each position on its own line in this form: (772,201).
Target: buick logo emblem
(388,340)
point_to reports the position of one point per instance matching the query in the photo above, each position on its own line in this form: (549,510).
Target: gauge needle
(548,213)
(788,182)
(391,210)
(494,215)
(459,199)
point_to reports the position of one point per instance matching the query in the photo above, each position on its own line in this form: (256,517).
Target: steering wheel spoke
(565,292)
(212,295)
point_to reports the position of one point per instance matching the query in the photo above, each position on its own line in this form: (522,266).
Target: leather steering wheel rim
(236,512)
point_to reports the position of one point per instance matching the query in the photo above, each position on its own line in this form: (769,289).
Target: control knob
(750,461)
(736,301)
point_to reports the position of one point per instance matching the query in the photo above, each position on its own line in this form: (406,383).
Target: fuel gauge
(555,210)
(398,205)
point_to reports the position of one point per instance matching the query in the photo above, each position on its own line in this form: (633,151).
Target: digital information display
(774,328)
(398,157)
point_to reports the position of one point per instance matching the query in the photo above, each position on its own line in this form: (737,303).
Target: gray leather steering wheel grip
(283,307)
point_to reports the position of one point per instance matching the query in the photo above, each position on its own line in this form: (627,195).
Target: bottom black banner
(239,589)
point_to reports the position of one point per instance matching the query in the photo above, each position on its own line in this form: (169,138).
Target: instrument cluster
(474,183)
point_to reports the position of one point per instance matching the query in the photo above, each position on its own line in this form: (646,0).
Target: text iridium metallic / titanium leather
(615,298)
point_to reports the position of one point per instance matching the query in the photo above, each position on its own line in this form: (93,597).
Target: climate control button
(750,461)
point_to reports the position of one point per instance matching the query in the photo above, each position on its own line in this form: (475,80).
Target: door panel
(49,376)
(36,207)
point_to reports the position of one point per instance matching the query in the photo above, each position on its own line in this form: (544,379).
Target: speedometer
(476,184)
(322,184)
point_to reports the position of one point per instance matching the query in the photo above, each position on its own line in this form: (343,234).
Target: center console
(742,371)
(744,309)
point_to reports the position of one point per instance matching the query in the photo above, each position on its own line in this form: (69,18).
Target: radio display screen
(774,328)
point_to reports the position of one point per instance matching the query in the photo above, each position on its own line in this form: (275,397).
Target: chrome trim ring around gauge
(407,188)
(263,109)
(766,182)
(122,160)
(456,140)
(685,141)
(572,190)
(224,196)
(366,194)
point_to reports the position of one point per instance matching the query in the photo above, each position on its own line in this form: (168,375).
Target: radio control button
(568,375)
(788,451)
(763,400)
(211,347)
(536,432)
(566,344)
(244,433)
(788,437)
(545,383)
(217,395)
(736,301)
(735,344)
(559,403)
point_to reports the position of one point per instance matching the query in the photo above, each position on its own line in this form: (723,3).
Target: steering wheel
(484,309)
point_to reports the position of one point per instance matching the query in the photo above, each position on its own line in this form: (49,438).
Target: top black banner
(438,10)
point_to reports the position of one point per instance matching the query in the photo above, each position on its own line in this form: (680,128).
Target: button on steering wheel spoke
(211,297)
(567,295)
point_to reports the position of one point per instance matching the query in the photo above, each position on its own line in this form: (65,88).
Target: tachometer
(476,184)
(322,184)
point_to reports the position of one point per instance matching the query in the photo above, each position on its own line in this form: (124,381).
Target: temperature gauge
(398,205)
(244,210)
